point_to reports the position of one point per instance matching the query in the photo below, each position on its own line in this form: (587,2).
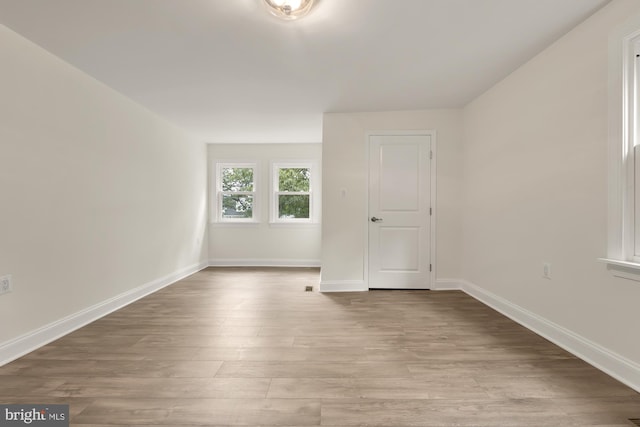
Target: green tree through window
(294,193)
(237,192)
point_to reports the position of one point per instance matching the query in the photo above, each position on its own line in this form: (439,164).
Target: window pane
(237,206)
(293,206)
(237,179)
(294,179)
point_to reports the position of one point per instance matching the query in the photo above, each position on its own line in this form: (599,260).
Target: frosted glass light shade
(289,9)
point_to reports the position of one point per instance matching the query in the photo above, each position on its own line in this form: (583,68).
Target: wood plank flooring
(249,347)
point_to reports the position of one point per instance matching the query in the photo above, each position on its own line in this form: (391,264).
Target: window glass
(237,179)
(292,206)
(236,192)
(237,206)
(294,179)
(292,197)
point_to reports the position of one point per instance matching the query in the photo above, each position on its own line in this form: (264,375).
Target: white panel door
(399,211)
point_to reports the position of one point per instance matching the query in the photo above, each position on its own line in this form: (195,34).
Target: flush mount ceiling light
(289,9)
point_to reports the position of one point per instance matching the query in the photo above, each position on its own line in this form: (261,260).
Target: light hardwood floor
(233,346)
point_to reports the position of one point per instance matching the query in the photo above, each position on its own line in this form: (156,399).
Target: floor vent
(308,288)
(635,421)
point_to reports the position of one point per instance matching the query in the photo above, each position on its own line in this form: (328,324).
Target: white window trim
(622,110)
(275,221)
(217,211)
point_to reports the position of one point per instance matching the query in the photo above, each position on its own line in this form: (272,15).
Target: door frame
(433,187)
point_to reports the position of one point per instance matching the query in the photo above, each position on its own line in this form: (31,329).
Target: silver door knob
(374,219)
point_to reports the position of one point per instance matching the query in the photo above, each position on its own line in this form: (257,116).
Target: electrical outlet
(546,270)
(5,284)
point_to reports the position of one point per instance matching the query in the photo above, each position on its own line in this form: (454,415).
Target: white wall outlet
(546,270)
(6,285)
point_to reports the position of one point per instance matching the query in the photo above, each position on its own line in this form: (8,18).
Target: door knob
(374,219)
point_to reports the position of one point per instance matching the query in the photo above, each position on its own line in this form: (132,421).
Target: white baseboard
(18,347)
(343,286)
(615,365)
(447,285)
(228,262)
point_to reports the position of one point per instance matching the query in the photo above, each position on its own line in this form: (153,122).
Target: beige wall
(535,189)
(99,196)
(264,243)
(346,167)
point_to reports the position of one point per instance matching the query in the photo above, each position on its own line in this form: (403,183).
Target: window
(631,153)
(624,150)
(292,193)
(236,192)
(238,195)
(634,141)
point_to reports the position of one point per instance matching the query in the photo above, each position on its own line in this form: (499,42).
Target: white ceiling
(228,71)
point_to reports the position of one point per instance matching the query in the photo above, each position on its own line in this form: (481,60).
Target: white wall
(346,166)
(535,190)
(97,195)
(263,243)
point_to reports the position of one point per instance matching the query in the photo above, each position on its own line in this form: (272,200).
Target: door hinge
(430,267)
(430,211)
(431,154)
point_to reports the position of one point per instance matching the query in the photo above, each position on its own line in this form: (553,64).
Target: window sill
(623,269)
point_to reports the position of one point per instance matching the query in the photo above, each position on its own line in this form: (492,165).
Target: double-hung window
(624,151)
(292,199)
(633,128)
(630,152)
(236,192)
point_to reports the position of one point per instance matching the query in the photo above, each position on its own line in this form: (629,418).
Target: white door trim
(432,223)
